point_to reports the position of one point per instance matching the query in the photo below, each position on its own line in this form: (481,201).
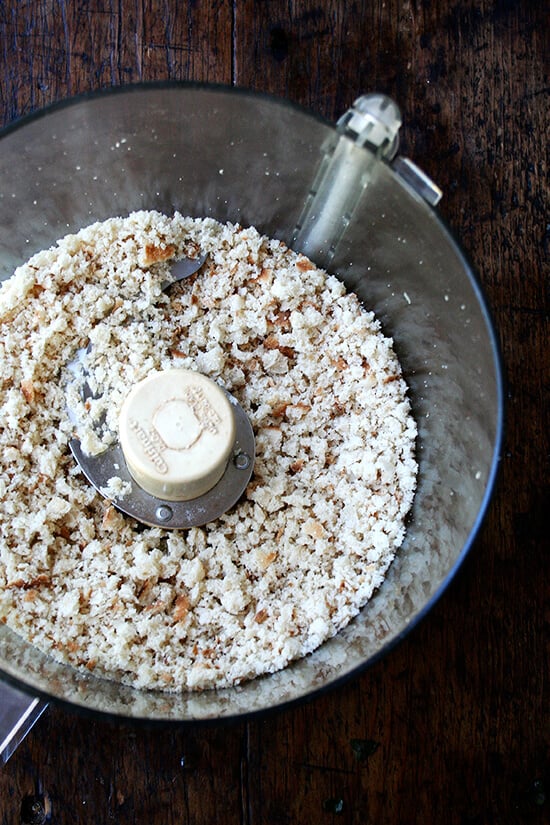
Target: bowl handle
(18,713)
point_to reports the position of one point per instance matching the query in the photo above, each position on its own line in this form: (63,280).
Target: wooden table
(454,721)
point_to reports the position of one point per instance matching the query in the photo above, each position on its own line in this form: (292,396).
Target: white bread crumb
(322,517)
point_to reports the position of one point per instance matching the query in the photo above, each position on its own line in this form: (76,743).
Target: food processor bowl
(242,157)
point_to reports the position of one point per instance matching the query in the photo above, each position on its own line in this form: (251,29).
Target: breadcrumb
(321,520)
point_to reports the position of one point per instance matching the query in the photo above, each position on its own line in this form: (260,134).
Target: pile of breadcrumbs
(322,517)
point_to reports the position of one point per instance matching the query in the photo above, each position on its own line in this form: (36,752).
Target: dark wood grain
(452,726)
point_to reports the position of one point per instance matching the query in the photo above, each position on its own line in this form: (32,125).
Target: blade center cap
(177,431)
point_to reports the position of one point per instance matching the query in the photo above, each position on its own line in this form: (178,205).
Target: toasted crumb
(314,528)
(154,254)
(181,608)
(27,388)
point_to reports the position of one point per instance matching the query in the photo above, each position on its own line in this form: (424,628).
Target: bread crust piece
(322,517)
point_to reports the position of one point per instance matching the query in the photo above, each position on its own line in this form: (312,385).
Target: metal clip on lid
(365,135)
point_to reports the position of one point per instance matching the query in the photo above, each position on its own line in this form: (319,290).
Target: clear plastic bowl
(239,156)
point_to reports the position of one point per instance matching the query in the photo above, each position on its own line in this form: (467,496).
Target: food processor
(341,194)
